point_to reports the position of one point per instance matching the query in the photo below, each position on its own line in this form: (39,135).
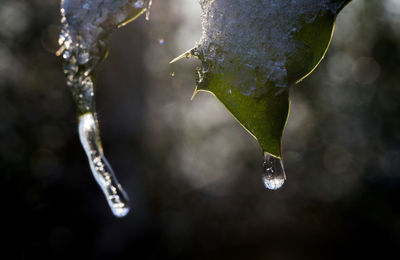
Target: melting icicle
(86,25)
(101,169)
(274,173)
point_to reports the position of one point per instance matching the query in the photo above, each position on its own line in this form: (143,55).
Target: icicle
(101,169)
(86,25)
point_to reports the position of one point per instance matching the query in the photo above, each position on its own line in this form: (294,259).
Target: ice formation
(260,36)
(86,25)
(83,40)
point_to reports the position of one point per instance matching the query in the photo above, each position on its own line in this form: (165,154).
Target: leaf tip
(187,54)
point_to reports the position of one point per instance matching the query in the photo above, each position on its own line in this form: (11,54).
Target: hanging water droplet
(172,74)
(89,135)
(274,173)
(161,41)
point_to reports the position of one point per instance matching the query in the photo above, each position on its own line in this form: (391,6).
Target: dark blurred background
(192,173)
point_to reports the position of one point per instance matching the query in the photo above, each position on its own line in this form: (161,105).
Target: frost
(83,41)
(256,35)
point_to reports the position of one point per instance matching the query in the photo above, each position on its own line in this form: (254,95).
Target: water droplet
(274,173)
(61,39)
(83,56)
(172,74)
(67,55)
(89,135)
(195,52)
(161,41)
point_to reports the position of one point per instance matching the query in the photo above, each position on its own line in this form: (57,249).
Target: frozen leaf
(252,52)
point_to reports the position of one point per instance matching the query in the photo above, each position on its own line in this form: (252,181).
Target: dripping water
(274,173)
(101,169)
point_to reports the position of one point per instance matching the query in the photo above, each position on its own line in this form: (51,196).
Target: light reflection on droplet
(274,173)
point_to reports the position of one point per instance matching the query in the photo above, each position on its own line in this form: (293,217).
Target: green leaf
(312,42)
(262,113)
(251,75)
